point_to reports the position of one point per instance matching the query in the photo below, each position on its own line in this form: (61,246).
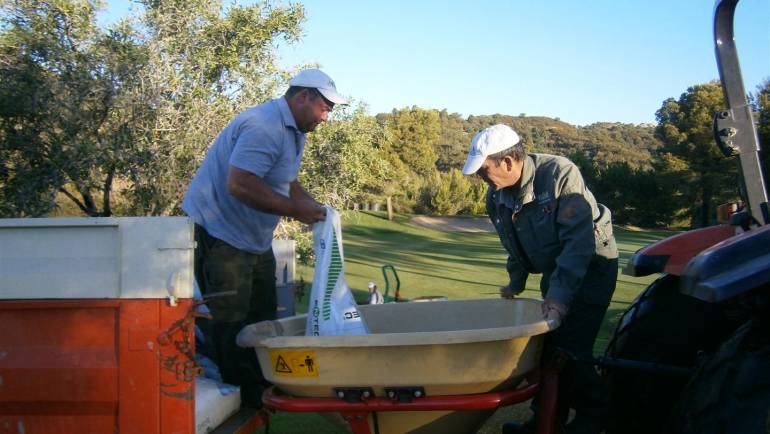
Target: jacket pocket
(605,240)
(542,223)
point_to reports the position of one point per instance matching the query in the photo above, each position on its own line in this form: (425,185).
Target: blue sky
(581,61)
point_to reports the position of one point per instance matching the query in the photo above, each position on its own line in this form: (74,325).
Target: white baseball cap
(486,142)
(371,285)
(317,79)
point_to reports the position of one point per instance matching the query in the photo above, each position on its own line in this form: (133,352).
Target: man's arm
(576,234)
(517,279)
(296,191)
(255,193)
(517,275)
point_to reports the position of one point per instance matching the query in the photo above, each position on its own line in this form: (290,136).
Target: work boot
(528,427)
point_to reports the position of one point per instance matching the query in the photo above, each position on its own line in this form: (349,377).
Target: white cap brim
(333,96)
(473,164)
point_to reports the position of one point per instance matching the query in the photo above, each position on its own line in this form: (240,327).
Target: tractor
(692,353)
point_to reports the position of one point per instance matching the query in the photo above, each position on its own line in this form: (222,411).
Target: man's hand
(308,211)
(507,292)
(554,309)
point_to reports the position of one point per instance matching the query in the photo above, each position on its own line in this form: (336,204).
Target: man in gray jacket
(549,223)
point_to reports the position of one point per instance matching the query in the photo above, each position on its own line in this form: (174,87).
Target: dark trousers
(580,386)
(221,268)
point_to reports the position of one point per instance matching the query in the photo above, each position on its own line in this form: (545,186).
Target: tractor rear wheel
(661,326)
(730,391)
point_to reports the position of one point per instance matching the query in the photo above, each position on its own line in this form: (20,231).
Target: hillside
(603,143)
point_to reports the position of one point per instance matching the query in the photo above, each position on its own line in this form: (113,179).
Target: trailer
(98,320)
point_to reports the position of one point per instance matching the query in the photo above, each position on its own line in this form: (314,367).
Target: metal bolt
(340,394)
(366,394)
(417,394)
(391,394)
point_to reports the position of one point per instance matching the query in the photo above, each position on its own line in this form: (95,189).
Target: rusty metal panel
(96,366)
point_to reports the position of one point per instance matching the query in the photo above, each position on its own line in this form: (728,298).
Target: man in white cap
(549,223)
(247,181)
(375,297)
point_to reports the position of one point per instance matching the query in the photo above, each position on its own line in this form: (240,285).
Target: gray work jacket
(552,225)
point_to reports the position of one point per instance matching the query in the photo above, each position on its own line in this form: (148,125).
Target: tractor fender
(730,268)
(671,255)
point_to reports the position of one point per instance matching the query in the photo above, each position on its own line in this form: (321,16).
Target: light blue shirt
(263,140)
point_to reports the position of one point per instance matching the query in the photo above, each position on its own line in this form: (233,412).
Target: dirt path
(454,224)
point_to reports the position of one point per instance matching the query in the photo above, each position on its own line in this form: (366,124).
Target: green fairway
(453,264)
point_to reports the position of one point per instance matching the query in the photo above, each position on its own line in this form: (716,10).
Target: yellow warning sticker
(294,363)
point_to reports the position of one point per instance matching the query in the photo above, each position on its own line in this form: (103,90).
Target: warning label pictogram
(281,366)
(299,363)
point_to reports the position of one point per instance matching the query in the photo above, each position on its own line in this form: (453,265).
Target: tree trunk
(390,210)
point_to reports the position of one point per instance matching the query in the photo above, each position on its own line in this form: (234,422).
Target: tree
(402,184)
(627,191)
(685,128)
(414,133)
(452,146)
(85,109)
(63,126)
(343,159)
(205,64)
(410,137)
(761,104)
(452,194)
(587,169)
(342,163)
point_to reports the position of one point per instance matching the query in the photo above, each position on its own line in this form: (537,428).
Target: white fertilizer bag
(332,310)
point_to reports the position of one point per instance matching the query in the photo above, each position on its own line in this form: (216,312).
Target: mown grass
(453,264)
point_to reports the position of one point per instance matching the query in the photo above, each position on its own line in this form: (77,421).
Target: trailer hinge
(179,334)
(404,394)
(354,394)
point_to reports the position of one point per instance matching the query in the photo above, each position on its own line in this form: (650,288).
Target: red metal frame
(356,413)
